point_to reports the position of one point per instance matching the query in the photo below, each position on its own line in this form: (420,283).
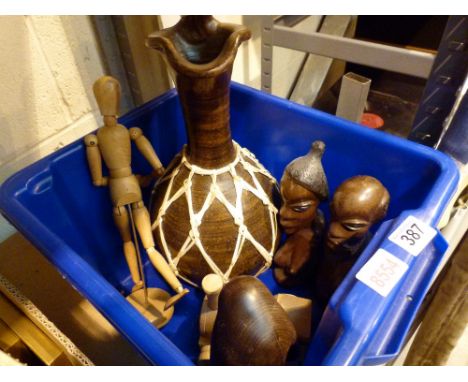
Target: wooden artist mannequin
(303,187)
(112,143)
(251,327)
(358,203)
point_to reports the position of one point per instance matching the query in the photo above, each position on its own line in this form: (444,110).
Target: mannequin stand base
(154,311)
(174,299)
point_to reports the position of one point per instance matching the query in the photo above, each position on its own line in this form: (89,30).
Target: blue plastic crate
(54,204)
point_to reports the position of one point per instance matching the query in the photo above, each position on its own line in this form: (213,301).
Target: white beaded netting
(251,165)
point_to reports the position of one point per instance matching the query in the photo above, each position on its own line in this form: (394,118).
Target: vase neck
(205,103)
(201,50)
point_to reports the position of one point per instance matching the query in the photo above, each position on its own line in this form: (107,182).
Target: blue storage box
(54,204)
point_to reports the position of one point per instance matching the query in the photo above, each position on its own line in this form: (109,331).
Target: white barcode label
(382,272)
(413,235)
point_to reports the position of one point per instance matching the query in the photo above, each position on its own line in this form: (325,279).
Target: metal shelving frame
(277,32)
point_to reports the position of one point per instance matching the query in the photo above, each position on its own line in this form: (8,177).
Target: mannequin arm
(144,146)
(94,160)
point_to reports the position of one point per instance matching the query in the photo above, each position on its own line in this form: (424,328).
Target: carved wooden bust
(303,187)
(358,203)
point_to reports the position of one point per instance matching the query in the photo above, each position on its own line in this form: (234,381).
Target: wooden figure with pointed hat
(303,187)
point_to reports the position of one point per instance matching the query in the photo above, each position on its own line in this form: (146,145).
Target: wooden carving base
(154,311)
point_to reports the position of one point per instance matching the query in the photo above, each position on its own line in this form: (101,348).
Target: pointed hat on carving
(308,171)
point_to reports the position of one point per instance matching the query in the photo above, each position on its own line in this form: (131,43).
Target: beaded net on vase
(251,165)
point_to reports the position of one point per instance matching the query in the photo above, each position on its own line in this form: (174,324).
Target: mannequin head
(107,92)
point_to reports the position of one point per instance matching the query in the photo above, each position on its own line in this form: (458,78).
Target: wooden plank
(26,306)
(8,338)
(30,334)
(287,63)
(146,70)
(10,342)
(13,346)
(317,75)
(111,58)
(39,281)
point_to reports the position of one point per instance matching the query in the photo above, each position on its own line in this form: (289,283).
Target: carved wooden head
(358,203)
(303,187)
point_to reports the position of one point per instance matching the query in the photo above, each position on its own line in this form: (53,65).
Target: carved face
(357,204)
(299,206)
(347,229)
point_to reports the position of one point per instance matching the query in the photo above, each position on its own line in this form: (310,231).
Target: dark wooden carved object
(251,328)
(303,187)
(358,203)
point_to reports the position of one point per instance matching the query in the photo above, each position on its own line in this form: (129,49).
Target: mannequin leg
(143,225)
(122,222)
